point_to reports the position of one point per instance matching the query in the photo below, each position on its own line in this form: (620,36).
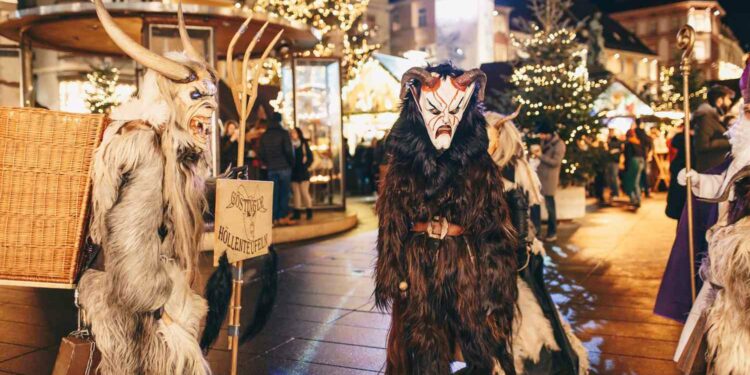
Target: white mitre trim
(739,138)
(148,106)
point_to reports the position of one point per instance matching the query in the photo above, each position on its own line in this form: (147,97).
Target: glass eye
(195,95)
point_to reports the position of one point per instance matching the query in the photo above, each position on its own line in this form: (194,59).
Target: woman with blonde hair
(542,341)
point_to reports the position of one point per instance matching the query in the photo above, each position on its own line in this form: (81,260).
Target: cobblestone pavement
(604,273)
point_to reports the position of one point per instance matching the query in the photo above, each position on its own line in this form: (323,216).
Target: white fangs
(199,128)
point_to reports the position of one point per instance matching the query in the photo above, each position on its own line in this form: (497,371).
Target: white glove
(694,178)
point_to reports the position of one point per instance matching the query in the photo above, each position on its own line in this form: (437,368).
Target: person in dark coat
(711,144)
(275,151)
(614,148)
(229,145)
(303,159)
(677,194)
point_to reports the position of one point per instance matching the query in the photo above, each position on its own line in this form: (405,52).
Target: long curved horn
(509,117)
(187,45)
(168,68)
(419,74)
(742,173)
(470,77)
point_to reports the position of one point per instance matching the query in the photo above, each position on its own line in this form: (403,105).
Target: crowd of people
(273,153)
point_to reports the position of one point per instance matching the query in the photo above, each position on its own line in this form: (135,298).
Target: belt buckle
(443,222)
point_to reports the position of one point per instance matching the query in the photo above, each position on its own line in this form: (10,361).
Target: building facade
(717,52)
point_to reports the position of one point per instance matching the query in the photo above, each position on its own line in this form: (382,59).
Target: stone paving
(604,274)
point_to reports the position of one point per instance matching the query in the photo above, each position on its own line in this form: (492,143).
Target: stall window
(10,77)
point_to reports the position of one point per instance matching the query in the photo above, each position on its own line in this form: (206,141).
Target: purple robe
(675,300)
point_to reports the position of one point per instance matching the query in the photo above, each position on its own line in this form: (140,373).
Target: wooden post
(685,41)
(244,93)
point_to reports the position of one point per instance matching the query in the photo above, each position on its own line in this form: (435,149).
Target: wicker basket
(45,163)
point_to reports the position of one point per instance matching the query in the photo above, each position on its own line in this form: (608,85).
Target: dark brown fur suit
(461,290)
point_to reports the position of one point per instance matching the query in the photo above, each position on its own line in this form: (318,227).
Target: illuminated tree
(552,82)
(100,96)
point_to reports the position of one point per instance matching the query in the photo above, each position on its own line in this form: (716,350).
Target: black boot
(296,215)
(309,214)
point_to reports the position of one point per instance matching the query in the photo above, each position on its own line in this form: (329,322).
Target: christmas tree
(100,95)
(552,82)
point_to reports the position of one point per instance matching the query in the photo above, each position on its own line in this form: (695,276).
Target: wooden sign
(243,225)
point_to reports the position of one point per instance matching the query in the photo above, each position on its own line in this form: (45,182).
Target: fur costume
(542,341)
(147,216)
(728,335)
(458,293)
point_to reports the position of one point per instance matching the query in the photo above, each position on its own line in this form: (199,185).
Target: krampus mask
(446,263)
(442,100)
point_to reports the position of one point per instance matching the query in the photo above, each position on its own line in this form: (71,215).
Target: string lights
(338,21)
(100,95)
(553,83)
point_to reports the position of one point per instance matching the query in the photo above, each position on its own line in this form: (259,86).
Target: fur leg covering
(138,343)
(218,293)
(578,348)
(532,331)
(269,286)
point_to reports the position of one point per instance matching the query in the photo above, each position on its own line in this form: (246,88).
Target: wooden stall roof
(73,27)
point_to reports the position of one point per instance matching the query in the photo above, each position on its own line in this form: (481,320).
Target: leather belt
(438,228)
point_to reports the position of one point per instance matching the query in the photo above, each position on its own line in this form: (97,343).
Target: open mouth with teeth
(200,127)
(444,129)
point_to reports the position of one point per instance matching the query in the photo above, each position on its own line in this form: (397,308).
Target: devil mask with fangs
(446,265)
(442,100)
(149,180)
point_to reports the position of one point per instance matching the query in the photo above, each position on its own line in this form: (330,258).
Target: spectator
(677,194)
(648,145)
(363,167)
(635,161)
(229,145)
(275,151)
(711,145)
(303,159)
(550,156)
(614,147)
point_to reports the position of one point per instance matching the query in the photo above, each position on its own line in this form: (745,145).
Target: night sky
(738,18)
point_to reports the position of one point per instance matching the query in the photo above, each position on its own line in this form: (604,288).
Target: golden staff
(244,94)
(685,42)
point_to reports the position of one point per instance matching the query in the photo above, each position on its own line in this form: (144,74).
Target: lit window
(701,53)
(664,25)
(422,17)
(395,21)
(700,20)
(664,49)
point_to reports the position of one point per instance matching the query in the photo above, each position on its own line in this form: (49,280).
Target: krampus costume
(446,262)
(543,343)
(147,204)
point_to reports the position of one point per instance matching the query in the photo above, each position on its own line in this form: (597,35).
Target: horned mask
(442,100)
(187,82)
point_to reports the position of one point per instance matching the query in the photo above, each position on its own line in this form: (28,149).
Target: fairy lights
(338,21)
(553,83)
(101,95)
